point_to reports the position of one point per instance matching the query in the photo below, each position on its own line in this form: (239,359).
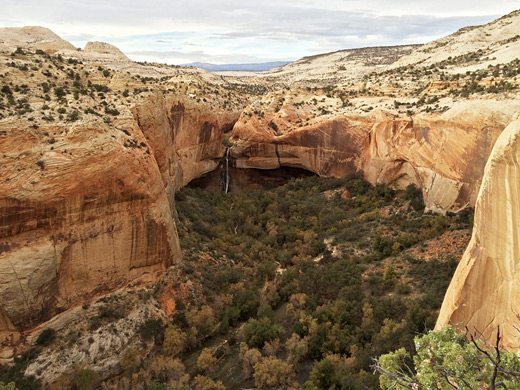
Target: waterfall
(226,172)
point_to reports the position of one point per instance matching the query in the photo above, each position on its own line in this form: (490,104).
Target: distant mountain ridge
(252,67)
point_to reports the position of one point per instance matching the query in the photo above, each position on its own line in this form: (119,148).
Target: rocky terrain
(337,67)
(444,154)
(431,122)
(487,45)
(93,147)
(32,38)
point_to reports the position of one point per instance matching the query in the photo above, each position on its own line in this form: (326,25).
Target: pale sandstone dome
(33,38)
(485,290)
(104,49)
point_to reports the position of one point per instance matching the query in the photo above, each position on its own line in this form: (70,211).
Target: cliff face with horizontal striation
(88,207)
(80,215)
(485,290)
(444,155)
(327,148)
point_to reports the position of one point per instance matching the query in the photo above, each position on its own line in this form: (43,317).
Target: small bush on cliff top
(46,337)
(151,328)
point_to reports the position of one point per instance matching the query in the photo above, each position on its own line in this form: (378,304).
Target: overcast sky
(241,31)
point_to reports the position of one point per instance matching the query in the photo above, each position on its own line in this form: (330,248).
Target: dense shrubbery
(151,329)
(326,315)
(259,332)
(303,285)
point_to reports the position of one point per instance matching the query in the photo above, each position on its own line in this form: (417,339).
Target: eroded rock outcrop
(327,148)
(443,154)
(99,50)
(81,213)
(186,136)
(87,208)
(485,290)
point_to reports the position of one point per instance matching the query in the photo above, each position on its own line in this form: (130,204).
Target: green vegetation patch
(320,275)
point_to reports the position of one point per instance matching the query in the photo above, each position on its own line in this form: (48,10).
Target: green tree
(165,369)
(203,320)
(85,379)
(446,360)
(333,372)
(130,360)
(206,361)
(296,347)
(415,196)
(46,337)
(174,341)
(205,383)
(258,332)
(273,374)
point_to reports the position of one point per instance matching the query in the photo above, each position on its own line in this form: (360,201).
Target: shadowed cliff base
(244,179)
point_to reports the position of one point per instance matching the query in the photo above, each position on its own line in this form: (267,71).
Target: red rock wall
(95,218)
(92,210)
(444,157)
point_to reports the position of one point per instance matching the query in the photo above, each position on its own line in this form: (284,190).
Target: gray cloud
(229,29)
(78,37)
(191,56)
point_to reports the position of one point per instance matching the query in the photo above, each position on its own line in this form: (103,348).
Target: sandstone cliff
(327,148)
(485,290)
(186,136)
(88,176)
(86,208)
(80,215)
(443,154)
